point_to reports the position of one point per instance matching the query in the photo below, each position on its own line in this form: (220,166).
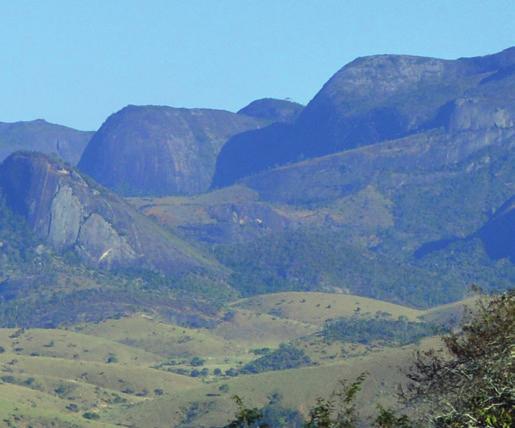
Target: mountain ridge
(43,136)
(369,100)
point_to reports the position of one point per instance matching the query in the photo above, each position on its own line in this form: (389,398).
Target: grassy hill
(316,308)
(209,406)
(142,370)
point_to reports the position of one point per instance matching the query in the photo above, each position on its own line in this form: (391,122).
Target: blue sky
(75,62)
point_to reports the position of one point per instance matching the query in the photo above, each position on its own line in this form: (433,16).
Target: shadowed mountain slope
(498,235)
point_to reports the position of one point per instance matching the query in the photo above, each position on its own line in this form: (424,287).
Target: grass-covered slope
(144,371)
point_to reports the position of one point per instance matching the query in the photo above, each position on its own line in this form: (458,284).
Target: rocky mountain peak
(69,211)
(160,150)
(272,110)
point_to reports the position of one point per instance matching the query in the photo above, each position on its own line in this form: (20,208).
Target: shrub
(197,362)
(90,416)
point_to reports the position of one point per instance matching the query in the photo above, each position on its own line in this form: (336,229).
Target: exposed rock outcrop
(379,98)
(159,150)
(71,212)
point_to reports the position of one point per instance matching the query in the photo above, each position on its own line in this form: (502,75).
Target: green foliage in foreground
(367,330)
(468,384)
(272,415)
(473,384)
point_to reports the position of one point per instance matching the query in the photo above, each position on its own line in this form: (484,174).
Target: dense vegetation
(318,259)
(473,383)
(39,286)
(286,357)
(399,331)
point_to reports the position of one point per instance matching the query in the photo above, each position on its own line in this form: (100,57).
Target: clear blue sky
(75,62)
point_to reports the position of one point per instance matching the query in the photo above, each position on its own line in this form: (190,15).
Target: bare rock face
(39,135)
(475,114)
(70,212)
(98,237)
(159,150)
(65,218)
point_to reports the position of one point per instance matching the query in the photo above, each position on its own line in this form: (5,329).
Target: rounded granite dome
(159,150)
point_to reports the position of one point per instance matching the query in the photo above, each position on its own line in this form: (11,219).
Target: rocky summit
(379,98)
(158,150)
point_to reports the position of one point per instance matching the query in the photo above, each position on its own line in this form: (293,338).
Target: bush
(111,358)
(197,362)
(90,416)
(231,372)
(473,383)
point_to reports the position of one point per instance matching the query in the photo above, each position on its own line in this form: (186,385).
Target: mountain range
(396,181)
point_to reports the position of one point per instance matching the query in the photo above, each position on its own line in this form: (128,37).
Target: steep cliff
(71,212)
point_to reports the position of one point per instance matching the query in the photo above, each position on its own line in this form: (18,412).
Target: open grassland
(139,371)
(211,405)
(316,308)
(135,380)
(21,407)
(70,345)
(256,329)
(160,338)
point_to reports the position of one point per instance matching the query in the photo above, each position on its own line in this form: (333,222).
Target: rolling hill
(140,370)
